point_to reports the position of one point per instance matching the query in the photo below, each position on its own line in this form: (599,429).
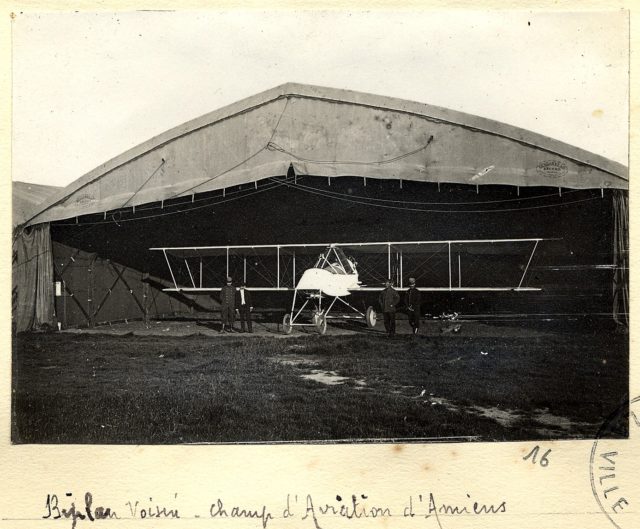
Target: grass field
(132,389)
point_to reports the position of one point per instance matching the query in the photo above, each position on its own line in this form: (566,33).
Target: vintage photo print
(254,226)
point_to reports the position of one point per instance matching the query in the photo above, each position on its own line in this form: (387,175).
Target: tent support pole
(64,305)
(90,294)
(227,261)
(459,273)
(278,267)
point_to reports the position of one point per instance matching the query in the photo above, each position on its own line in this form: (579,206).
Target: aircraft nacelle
(328,282)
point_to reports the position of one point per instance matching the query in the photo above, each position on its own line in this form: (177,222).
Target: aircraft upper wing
(372,247)
(438,265)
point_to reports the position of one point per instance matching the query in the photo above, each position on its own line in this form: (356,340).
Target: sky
(88,86)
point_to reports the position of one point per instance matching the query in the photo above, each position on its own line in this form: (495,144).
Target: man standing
(244,307)
(388,301)
(227,305)
(412,300)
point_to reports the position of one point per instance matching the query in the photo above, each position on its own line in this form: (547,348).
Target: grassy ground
(142,389)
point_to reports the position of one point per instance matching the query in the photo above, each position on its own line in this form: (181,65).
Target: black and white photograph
(308,226)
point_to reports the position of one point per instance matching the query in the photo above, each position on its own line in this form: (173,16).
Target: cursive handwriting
(304,507)
(89,512)
(217,510)
(152,510)
(422,506)
(353,509)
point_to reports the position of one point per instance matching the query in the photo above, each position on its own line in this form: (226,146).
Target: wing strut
(449,244)
(190,274)
(170,269)
(528,263)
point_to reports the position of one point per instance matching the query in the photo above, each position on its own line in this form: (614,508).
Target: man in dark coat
(227,305)
(412,300)
(389,301)
(244,306)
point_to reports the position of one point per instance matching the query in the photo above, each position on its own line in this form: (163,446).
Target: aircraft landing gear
(371,317)
(321,323)
(287,327)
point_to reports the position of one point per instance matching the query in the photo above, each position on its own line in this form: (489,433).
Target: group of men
(389,300)
(238,301)
(234,302)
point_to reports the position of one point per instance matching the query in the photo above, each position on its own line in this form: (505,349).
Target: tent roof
(329,132)
(27,197)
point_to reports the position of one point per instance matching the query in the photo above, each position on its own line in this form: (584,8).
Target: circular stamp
(615,463)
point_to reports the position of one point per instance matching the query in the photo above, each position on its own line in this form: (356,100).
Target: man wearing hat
(227,305)
(244,307)
(412,300)
(388,300)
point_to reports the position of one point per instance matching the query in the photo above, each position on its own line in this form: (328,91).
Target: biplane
(322,275)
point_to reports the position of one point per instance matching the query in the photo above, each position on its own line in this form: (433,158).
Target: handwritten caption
(314,511)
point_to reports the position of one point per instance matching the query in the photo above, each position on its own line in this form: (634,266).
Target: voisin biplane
(320,276)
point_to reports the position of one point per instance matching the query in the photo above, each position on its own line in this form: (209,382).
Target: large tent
(303,163)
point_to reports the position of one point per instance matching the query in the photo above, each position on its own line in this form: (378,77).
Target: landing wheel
(371,317)
(315,318)
(287,327)
(321,323)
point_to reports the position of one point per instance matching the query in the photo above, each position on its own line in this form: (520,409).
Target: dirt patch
(506,418)
(330,378)
(439,401)
(557,424)
(551,425)
(327,377)
(295,360)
